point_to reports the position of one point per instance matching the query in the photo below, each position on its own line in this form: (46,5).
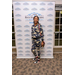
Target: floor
(50,66)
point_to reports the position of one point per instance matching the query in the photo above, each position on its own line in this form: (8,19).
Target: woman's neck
(35,24)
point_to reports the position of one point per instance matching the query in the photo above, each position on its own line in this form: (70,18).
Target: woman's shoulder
(40,25)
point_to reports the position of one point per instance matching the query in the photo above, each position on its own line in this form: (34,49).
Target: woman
(37,40)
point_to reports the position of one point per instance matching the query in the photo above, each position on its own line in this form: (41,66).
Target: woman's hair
(35,16)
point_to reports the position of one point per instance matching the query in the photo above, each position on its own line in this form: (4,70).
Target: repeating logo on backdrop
(42,9)
(49,43)
(18,20)
(50,9)
(25,3)
(27,47)
(20,51)
(19,39)
(50,3)
(34,9)
(17,9)
(26,26)
(27,35)
(18,26)
(27,39)
(42,3)
(49,47)
(50,15)
(27,54)
(20,47)
(49,20)
(48,54)
(20,43)
(49,30)
(49,26)
(19,30)
(25,9)
(49,39)
(27,51)
(19,35)
(27,43)
(34,4)
(17,15)
(20,54)
(49,51)
(26,30)
(17,3)
(49,35)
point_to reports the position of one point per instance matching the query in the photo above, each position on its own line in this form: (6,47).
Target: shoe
(35,58)
(37,61)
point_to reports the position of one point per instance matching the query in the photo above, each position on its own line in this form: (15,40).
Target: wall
(56,2)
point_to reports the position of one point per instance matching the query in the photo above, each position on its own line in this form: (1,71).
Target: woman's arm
(42,33)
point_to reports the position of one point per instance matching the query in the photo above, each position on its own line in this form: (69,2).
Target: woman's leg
(38,50)
(33,49)
(38,42)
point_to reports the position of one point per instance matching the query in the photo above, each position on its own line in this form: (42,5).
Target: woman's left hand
(42,43)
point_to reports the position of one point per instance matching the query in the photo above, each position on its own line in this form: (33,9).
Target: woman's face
(36,20)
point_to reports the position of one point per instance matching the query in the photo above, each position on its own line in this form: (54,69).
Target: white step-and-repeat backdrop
(23,20)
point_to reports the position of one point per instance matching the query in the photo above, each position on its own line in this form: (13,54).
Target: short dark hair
(35,16)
